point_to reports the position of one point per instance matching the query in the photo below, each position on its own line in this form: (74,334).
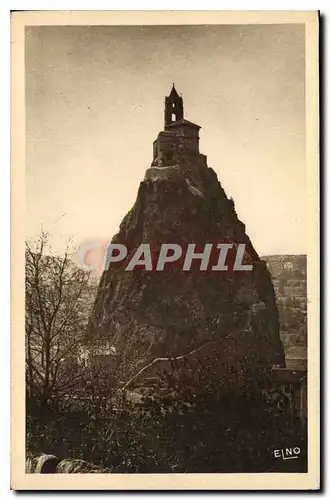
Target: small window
(173,117)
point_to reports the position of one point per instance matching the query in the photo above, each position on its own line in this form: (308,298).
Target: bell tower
(173,108)
(178,144)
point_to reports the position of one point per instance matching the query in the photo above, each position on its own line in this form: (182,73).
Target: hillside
(289,280)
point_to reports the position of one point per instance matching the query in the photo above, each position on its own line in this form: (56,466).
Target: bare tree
(58,301)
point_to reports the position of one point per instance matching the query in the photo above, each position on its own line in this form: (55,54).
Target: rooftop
(296,352)
(179,123)
(285,375)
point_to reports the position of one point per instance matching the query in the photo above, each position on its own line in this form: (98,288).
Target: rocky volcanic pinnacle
(150,314)
(144,314)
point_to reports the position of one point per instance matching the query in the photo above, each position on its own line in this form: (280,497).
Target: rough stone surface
(148,315)
(50,464)
(46,464)
(75,466)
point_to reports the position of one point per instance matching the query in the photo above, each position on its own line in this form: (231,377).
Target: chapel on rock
(178,143)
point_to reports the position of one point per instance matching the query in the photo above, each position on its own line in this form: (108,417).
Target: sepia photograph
(165,263)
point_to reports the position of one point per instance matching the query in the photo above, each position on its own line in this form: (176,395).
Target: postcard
(165,243)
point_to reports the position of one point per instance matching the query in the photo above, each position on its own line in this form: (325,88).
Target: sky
(95,104)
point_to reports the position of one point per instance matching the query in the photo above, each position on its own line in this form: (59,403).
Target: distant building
(287,388)
(296,357)
(101,352)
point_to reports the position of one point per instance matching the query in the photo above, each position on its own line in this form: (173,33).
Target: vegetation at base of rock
(204,413)
(193,423)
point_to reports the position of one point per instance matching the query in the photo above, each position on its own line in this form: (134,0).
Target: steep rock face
(155,314)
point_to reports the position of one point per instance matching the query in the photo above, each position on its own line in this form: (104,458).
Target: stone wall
(50,464)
